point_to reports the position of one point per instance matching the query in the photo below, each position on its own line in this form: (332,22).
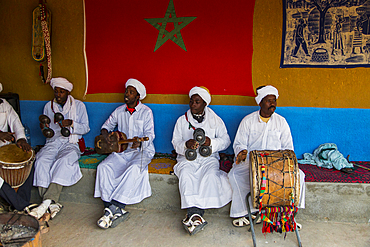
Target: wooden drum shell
(16,172)
(282,177)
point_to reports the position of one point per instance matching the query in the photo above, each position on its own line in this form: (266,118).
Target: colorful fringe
(276,219)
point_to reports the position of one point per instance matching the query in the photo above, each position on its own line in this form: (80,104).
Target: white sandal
(196,225)
(299,226)
(39,211)
(106,220)
(55,208)
(187,221)
(244,221)
(240,222)
(28,209)
(119,217)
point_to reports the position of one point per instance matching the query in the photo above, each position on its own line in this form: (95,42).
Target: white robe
(57,161)
(9,119)
(254,134)
(124,176)
(201,183)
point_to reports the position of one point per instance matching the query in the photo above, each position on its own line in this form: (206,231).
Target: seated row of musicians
(122,178)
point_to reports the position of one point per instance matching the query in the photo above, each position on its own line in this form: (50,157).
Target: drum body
(282,177)
(102,147)
(15,164)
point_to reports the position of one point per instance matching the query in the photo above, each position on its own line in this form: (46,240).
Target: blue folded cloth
(327,156)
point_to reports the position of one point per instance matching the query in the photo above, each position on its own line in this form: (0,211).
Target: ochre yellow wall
(310,87)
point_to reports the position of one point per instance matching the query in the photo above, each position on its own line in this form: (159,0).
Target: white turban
(140,88)
(266,90)
(202,92)
(62,83)
(1,87)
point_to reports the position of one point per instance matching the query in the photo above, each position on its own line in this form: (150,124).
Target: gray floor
(76,226)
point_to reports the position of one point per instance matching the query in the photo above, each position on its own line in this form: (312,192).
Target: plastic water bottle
(28,134)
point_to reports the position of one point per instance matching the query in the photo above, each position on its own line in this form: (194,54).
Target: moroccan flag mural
(170,45)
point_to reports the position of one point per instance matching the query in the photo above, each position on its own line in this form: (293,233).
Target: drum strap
(190,125)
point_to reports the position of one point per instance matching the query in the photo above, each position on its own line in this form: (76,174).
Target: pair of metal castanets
(199,135)
(48,132)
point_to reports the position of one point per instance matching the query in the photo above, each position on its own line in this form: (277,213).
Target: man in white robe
(202,184)
(11,129)
(260,130)
(122,178)
(57,163)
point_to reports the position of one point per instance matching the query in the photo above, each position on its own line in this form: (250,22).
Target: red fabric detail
(318,174)
(131,110)
(81,144)
(219,47)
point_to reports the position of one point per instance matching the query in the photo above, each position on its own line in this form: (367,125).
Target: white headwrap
(203,93)
(140,88)
(263,92)
(62,83)
(1,89)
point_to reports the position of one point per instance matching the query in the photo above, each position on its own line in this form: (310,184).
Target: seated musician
(56,163)
(202,184)
(20,200)
(122,178)
(260,130)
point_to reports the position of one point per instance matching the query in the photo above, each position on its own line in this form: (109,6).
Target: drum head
(13,154)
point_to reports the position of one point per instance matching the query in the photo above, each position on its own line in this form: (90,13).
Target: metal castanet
(117,142)
(205,151)
(200,136)
(46,131)
(191,154)
(58,118)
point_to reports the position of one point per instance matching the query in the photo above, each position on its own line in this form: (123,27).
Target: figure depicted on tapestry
(326,33)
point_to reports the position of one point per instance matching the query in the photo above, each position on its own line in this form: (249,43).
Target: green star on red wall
(175,34)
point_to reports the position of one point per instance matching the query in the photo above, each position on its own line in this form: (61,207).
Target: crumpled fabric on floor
(326,156)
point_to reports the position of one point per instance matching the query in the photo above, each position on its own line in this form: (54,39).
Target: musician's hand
(22,143)
(42,126)
(192,144)
(7,136)
(241,156)
(105,134)
(207,142)
(67,122)
(135,144)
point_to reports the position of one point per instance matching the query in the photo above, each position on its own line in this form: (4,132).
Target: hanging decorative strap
(190,125)
(45,31)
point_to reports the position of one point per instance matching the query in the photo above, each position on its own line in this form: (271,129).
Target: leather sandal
(244,221)
(119,217)
(54,209)
(197,224)
(106,220)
